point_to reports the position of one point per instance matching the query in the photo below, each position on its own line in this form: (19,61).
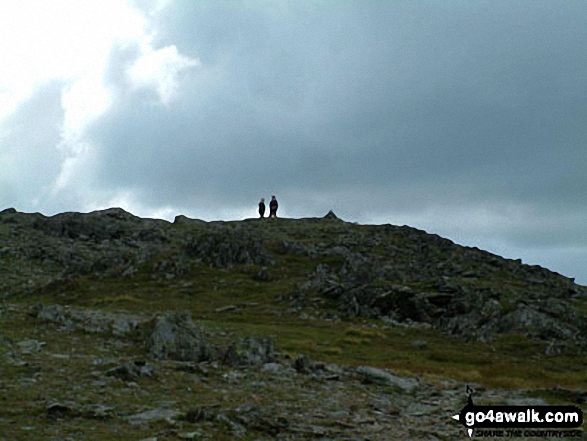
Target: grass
(510,361)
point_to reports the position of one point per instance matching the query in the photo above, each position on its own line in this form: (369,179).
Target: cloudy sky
(464,118)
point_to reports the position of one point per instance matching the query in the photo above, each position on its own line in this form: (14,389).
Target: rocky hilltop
(398,274)
(269,329)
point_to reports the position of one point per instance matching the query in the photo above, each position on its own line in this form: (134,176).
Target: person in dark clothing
(262,208)
(273,207)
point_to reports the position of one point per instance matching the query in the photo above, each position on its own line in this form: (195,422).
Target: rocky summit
(117,327)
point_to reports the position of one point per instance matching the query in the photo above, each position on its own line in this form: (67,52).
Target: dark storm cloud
(377,94)
(371,108)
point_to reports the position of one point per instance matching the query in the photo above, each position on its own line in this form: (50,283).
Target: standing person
(262,208)
(273,207)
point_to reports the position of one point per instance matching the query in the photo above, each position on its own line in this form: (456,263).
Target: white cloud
(159,69)
(82,101)
(72,41)
(64,40)
(61,39)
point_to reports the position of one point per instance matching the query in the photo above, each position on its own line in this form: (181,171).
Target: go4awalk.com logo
(518,421)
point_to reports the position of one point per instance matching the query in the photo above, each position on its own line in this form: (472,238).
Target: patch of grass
(115,300)
(510,361)
(355,341)
(330,350)
(580,304)
(364,333)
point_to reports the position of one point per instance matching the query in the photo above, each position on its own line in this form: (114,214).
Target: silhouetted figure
(273,207)
(262,208)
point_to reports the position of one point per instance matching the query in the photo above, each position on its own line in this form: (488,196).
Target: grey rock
(176,337)
(122,325)
(131,371)
(153,415)
(189,435)
(72,409)
(384,377)
(420,344)
(181,219)
(18,363)
(130,271)
(525,401)
(52,313)
(61,409)
(226,308)
(93,321)
(273,368)
(224,248)
(303,365)
(237,429)
(30,346)
(262,275)
(401,273)
(249,352)
(234,377)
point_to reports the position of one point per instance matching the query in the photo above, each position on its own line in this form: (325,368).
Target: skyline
(464,119)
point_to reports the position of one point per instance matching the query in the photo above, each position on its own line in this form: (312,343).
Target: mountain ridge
(113,326)
(397,272)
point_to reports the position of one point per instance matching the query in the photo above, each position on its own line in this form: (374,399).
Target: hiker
(273,207)
(262,208)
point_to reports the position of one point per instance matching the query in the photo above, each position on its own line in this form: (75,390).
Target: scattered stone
(224,249)
(273,368)
(153,415)
(130,271)
(303,365)
(250,351)
(234,377)
(193,368)
(52,313)
(93,321)
(18,363)
(61,410)
(420,344)
(226,308)
(70,409)
(401,276)
(237,429)
(200,413)
(525,401)
(262,275)
(131,371)
(30,346)
(189,435)
(384,377)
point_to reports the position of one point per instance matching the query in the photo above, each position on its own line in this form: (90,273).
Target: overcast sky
(463,118)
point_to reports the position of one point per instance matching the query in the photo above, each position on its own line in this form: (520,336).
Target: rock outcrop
(399,274)
(117,327)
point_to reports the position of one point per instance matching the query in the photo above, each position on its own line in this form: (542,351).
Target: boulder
(175,336)
(384,377)
(250,352)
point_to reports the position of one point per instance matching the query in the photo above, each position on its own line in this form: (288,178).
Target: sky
(464,118)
